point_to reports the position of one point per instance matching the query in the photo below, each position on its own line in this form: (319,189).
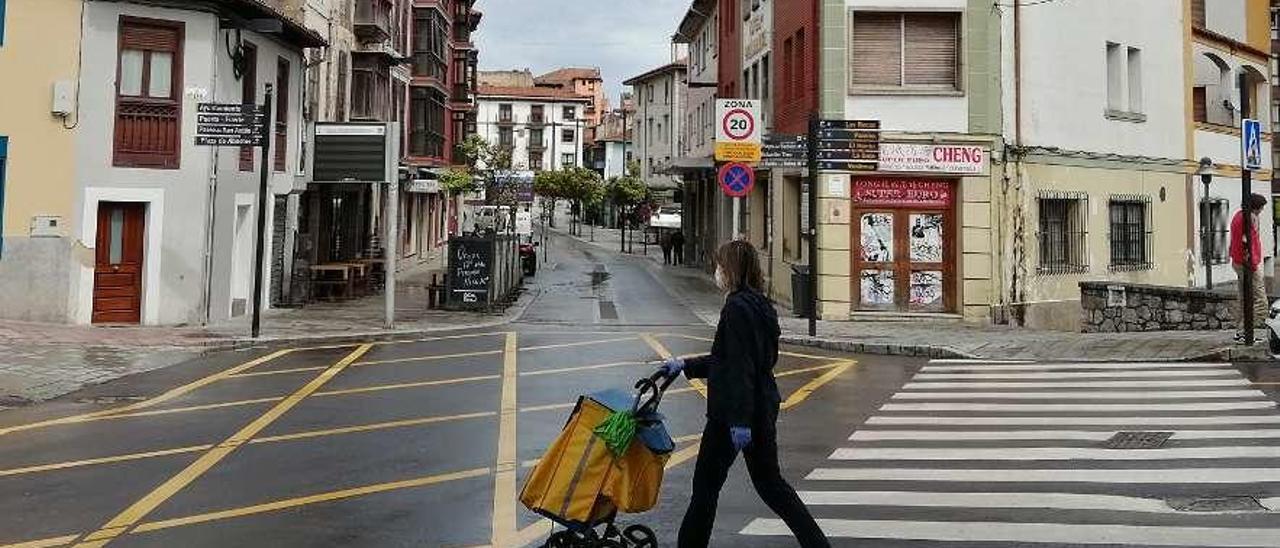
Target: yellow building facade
(38,64)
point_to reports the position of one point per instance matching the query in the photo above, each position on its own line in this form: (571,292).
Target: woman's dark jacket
(739,370)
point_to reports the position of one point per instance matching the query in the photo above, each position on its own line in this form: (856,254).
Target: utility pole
(260,244)
(813,224)
(1246,189)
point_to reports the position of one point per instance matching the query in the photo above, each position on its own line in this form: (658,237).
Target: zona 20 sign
(737,130)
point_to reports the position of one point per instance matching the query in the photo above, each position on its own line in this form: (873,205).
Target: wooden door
(903,259)
(117,275)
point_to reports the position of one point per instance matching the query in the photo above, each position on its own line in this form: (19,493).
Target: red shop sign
(902,192)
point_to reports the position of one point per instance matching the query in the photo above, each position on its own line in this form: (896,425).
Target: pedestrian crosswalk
(1020,453)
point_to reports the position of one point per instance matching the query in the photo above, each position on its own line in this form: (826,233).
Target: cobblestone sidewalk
(953,339)
(39,361)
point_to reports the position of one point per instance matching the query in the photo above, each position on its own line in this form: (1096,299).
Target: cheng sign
(889,192)
(925,158)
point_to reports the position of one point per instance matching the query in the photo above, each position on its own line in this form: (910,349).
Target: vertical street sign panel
(737,130)
(1251,144)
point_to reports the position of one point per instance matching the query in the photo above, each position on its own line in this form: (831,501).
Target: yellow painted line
(276,372)
(266,439)
(311,499)
(44,543)
(429,357)
(547,407)
(577,368)
(409,341)
(166,396)
(139,509)
(807,390)
(801,370)
(401,386)
(186,409)
(104,460)
(578,343)
(780,352)
(504,487)
(666,354)
(370,427)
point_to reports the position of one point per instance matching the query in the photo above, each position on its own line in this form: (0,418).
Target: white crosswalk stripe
(1019,452)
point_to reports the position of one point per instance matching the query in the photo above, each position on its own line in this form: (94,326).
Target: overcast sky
(622,37)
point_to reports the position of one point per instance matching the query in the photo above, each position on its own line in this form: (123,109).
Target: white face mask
(720,282)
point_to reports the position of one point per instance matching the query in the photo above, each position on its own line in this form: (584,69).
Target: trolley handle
(651,386)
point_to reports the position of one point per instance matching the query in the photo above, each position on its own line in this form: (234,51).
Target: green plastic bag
(617,431)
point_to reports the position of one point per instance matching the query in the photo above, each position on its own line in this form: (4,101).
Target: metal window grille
(1214,235)
(1064,232)
(1130,236)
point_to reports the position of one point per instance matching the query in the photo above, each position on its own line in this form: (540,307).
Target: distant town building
(543,127)
(659,109)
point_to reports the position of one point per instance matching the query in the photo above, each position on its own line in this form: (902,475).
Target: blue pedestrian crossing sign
(1251,144)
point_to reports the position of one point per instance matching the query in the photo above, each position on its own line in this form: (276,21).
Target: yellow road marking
(409,341)
(382,387)
(44,543)
(173,410)
(276,372)
(666,354)
(311,499)
(139,509)
(265,439)
(780,352)
(166,396)
(504,487)
(104,460)
(805,391)
(547,407)
(430,357)
(370,427)
(800,370)
(577,368)
(578,343)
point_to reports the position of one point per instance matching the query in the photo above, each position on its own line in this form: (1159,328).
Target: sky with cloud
(622,37)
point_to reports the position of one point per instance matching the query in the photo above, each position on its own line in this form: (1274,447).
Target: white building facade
(543,127)
(172,224)
(659,112)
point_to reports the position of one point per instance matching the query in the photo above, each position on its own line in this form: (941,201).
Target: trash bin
(801,301)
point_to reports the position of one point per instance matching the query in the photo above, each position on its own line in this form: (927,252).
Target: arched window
(1211,91)
(1258,99)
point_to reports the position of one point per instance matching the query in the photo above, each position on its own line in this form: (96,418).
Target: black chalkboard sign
(470,272)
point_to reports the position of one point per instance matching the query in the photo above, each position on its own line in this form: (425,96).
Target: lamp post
(1206,238)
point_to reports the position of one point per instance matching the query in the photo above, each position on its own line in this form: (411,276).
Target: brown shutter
(876,59)
(931,49)
(134,35)
(1200,104)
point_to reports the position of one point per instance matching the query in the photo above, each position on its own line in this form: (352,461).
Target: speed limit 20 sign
(737,130)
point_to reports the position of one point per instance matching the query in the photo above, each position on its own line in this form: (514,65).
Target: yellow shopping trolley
(609,458)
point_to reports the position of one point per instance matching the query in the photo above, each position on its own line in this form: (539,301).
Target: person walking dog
(742,403)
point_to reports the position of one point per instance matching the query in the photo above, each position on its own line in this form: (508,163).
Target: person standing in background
(1253,206)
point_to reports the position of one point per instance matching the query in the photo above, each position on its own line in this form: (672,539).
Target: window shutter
(1200,104)
(147,37)
(931,44)
(1198,13)
(877,49)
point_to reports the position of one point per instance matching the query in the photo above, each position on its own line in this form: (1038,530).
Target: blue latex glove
(741,437)
(672,367)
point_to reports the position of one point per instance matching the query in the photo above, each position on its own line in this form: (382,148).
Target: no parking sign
(736,179)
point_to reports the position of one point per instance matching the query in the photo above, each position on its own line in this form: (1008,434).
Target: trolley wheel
(640,536)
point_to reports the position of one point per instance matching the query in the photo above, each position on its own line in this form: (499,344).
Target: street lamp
(1205,172)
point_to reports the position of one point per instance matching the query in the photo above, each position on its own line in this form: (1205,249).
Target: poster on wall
(901,192)
(926,238)
(877,287)
(877,237)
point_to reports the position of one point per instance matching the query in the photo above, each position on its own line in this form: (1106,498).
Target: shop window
(1130,232)
(1215,234)
(148,103)
(903,50)
(1063,232)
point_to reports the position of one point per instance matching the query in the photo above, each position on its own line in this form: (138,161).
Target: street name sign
(782,150)
(848,145)
(229,124)
(738,130)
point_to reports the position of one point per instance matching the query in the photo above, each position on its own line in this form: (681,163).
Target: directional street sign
(737,130)
(838,165)
(782,150)
(736,179)
(1251,144)
(849,124)
(229,124)
(848,145)
(849,154)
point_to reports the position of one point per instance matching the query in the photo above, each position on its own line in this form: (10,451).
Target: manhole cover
(111,399)
(1215,504)
(1137,440)
(608,311)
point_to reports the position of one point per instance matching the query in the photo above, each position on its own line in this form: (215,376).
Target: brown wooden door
(117,274)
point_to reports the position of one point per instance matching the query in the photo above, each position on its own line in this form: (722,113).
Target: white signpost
(738,130)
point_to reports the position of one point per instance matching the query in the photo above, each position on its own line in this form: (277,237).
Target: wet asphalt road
(402,443)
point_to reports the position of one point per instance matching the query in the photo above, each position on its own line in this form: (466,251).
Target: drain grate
(608,311)
(1215,504)
(1137,440)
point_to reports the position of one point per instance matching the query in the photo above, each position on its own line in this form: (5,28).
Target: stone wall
(1108,307)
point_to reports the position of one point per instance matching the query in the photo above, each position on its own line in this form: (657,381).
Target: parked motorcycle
(529,258)
(1273,329)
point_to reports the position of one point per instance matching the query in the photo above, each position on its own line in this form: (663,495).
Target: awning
(689,163)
